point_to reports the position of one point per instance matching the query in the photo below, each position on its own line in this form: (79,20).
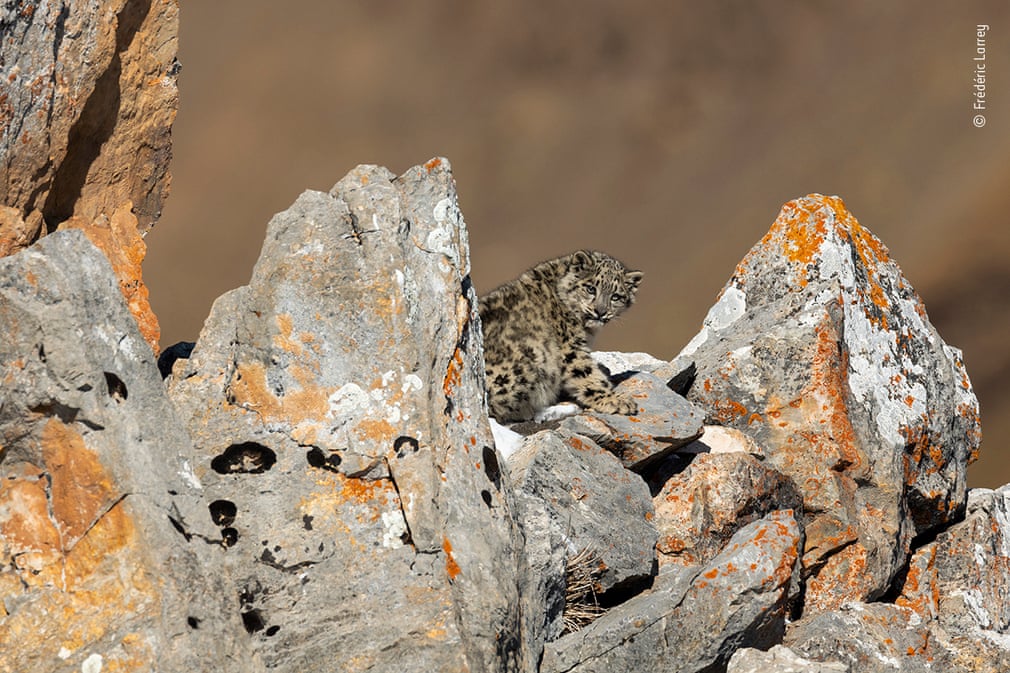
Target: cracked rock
(372,524)
(693,619)
(98,499)
(819,348)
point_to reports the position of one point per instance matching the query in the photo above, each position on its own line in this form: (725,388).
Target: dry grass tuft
(582,575)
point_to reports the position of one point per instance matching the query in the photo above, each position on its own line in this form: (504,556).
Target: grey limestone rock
(98,488)
(694,618)
(779,659)
(698,510)
(336,403)
(820,349)
(592,499)
(664,423)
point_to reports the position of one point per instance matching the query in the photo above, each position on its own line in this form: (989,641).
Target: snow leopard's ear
(634,278)
(582,260)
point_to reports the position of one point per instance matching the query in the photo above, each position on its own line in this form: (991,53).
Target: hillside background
(666,133)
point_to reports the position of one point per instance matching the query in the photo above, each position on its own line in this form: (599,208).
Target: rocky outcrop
(97,488)
(86,109)
(336,404)
(316,484)
(819,348)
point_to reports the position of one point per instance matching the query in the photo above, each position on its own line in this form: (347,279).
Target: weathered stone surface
(665,422)
(960,582)
(963,577)
(821,350)
(595,501)
(337,405)
(94,480)
(699,509)
(951,614)
(86,109)
(720,439)
(875,638)
(694,619)
(779,659)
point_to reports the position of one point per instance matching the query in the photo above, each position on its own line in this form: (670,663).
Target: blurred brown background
(666,133)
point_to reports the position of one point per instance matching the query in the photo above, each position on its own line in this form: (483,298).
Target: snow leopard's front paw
(615,403)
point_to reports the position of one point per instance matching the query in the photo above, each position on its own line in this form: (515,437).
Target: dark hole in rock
(491,467)
(42,353)
(194,622)
(117,389)
(229,536)
(307,521)
(272,631)
(246,457)
(252,620)
(316,457)
(178,351)
(486,495)
(403,444)
(222,512)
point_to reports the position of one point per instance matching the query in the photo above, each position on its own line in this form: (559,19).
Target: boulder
(959,583)
(595,502)
(337,407)
(819,348)
(779,659)
(665,422)
(98,492)
(88,100)
(695,618)
(699,509)
(872,638)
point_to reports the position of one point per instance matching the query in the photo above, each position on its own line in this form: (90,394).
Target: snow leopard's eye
(590,290)
(617,298)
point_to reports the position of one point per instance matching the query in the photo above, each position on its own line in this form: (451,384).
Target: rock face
(337,407)
(95,479)
(86,109)
(821,350)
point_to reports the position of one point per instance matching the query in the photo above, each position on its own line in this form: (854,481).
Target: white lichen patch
(731,305)
(442,237)
(394,528)
(93,664)
(346,401)
(187,475)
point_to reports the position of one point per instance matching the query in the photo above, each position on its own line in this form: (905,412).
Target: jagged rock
(960,582)
(97,496)
(779,659)
(821,350)
(694,619)
(337,406)
(86,109)
(872,638)
(595,502)
(699,509)
(665,422)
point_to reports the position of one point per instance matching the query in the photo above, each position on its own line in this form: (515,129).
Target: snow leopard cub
(538,331)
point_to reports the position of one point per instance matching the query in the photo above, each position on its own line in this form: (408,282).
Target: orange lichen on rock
(120,241)
(76,551)
(249,389)
(452,569)
(453,374)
